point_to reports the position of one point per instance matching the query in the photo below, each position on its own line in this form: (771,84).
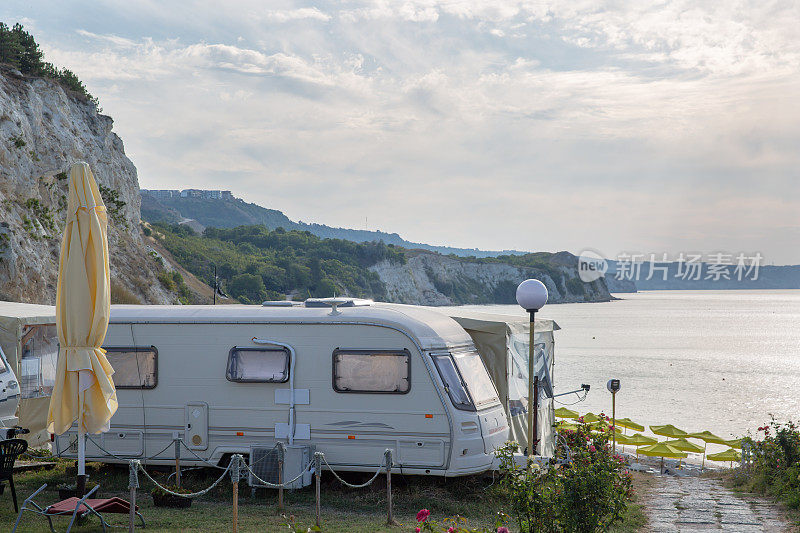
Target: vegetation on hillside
(19,49)
(255,264)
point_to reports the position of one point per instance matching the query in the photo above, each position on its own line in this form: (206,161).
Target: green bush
(587,493)
(775,469)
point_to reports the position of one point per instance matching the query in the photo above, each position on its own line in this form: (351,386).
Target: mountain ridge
(223,213)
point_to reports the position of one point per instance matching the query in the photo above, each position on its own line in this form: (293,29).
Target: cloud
(306,13)
(629,125)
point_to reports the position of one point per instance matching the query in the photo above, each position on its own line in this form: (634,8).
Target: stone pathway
(695,504)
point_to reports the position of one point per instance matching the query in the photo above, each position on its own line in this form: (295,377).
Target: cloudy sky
(619,126)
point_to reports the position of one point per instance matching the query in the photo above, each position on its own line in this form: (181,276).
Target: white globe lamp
(531,296)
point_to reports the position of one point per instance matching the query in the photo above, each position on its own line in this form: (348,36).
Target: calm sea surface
(716,360)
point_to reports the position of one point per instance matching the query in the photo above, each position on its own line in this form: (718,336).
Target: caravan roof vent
(338,302)
(280,303)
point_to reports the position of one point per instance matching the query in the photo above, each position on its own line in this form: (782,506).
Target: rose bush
(456,524)
(586,489)
(775,467)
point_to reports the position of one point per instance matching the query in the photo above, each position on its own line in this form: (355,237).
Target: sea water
(722,361)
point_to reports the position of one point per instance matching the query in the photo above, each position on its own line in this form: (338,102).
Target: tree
(30,58)
(248,288)
(10,49)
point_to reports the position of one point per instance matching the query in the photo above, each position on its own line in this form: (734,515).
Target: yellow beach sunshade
(563,412)
(734,443)
(707,436)
(641,440)
(628,423)
(624,440)
(685,446)
(661,449)
(83,390)
(591,418)
(728,455)
(668,430)
(566,425)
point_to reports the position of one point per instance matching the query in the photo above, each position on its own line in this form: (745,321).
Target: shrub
(775,466)
(586,493)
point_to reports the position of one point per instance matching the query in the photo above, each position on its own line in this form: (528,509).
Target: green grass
(343,510)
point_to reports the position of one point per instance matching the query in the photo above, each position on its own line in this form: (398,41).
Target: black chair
(9,451)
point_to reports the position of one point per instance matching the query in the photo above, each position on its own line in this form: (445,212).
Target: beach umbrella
(661,449)
(685,446)
(83,391)
(561,424)
(624,440)
(734,443)
(628,424)
(668,430)
(638,439)
(706,437)
(728,455)
(563,412)
(591,418)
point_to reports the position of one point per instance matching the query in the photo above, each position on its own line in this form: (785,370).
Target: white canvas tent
(29,339)
(503,341)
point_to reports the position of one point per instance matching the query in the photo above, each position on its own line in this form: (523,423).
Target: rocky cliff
(43,130)
(434,279)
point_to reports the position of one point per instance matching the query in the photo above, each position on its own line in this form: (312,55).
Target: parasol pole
(80,484)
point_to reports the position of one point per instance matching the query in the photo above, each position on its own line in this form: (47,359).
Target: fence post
(390,514)
(133,484)
(177,461)
(235,473)
(280,477)
(318,471)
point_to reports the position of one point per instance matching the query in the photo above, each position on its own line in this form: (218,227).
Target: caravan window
(453,384)
(258,365)
(376,371)
(476,376)
(134,367)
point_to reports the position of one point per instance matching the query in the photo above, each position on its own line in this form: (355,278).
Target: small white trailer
(351,379)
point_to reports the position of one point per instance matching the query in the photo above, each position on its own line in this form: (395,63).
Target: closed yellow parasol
(83,391)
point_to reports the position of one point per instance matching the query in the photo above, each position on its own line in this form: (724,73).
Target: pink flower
(502,529)
(417,530)
(592,448)
(451,529)
(423,515)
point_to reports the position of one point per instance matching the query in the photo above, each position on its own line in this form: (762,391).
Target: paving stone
(695,504)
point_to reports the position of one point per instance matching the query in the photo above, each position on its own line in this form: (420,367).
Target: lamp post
(613,388)
(531,296)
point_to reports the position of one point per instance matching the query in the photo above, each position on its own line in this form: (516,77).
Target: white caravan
(351,378)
